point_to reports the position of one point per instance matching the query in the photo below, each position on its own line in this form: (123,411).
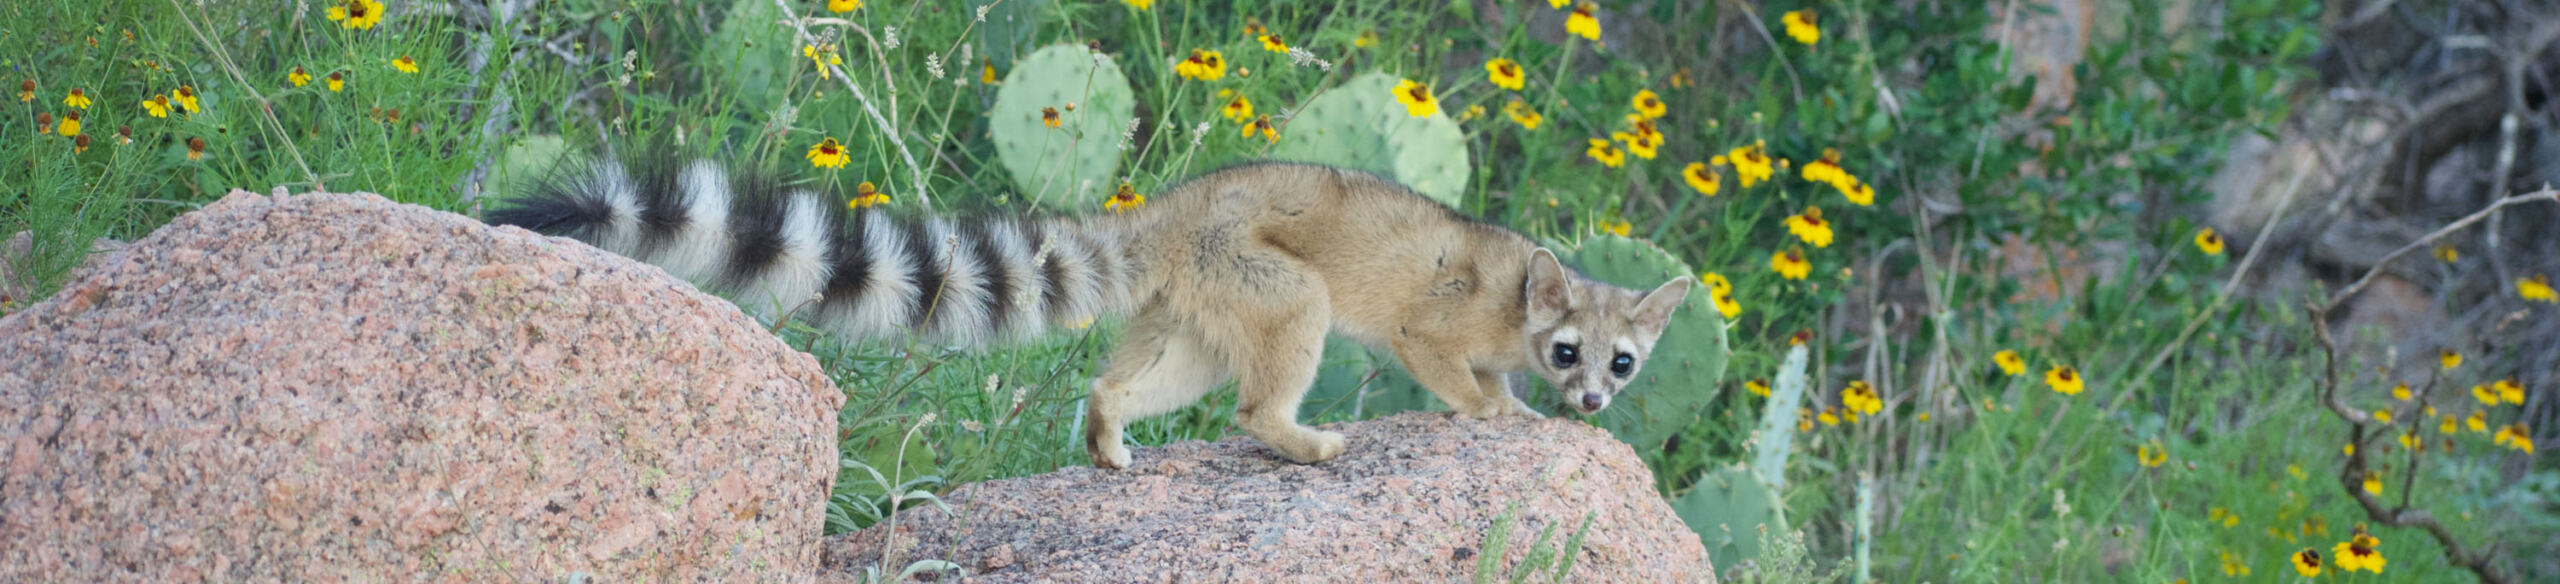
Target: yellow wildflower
(1049,117)
(1238,109)
(987,74)
(1506,74)
(1790,264)
(2449,358)
(1127,198)
(2010,362)
(2307,562)
(27,91)
(2515,436)
(1140,4)
(841,6)
(2208,241)
(357,14)
(1804,419)
(1520,113)
(1860,398)
(1202,65)
(80,144)
(2152,454)
(2218,515)
(1416,98)
(1272,42)
(298,77)
(157,106)
(195,149)
(2373,483)
(1618,228)
(337,81)
(185,97)
(2412,441)
(865,195)
(1648,104)
(1262,124)
(1715,282)
(1750,163)
(2446,253)
(828,154)
(2537,289)
(1858,192)
(1810,227)
(1583,22)
(2487,397)
(1473,111)
(1705,181)
(1253,28)
(1725,304)
(77,99)
(1367,38)
(2477,421)
(1801,26)
(405,64)
(1606,152)
(2382,417)
(2360,552)
(821,56)
(2447,425)
(2509,390)
(70,124)
(2064,380)
(1757,386)
(2400,392)
(1828,418)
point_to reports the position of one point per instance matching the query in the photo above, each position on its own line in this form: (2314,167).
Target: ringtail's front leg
(1497,388)
(1448,377)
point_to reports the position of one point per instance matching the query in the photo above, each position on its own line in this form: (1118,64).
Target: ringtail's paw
(1521,408)
(1112,456)
(1310,446)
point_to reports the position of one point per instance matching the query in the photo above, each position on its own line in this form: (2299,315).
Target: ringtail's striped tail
(858,273)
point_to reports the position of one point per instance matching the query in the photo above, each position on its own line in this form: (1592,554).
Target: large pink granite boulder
(1412,499)
(325,388)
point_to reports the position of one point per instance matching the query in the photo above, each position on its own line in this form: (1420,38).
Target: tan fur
(1239,274)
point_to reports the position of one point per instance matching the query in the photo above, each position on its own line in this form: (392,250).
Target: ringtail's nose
(1592,402)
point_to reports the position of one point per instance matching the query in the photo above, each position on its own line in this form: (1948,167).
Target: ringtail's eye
(1622,365)
(1566,356)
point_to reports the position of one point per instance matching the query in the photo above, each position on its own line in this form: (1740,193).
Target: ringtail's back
(1237,274)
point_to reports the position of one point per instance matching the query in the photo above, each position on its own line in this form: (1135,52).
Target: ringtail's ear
(1550,291)
(1653,314)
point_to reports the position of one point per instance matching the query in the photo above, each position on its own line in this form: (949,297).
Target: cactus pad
(1360,125)
(1074,163)
(1728,509)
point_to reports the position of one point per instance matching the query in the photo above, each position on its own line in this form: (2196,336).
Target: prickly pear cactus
(1360,125)
(756,52)
(1680,377)
(1359,383)
(1728,508)
(1776,437)
(1074,163)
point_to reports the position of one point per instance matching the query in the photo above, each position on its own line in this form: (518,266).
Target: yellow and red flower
(843,6)
(1791,264)
(1238,109)
(1416,98)
(865,195)
(1583,22)
(357,14)
(1802,26)
(1648,104)
(1506,74)
(405,64)
(1272,42)
(828,154)
(2307,562)
(337,81)
(2009,362)
(2515,436)
(1202,65)
(2537,289)
(1606,152)
(77,99)
(1750,163)
(298,77)
(1049,117)
(1262,125)
(1125,199)
(2208,241)
(1810,227)
(1706,181)
(2064,380)
(2359,553)
(1520,113)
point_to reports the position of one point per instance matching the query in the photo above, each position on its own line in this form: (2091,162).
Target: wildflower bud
(44,119)
(990,387)
(80,143)
(29,85)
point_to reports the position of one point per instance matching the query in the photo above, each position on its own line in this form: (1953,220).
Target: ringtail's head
(1588,338)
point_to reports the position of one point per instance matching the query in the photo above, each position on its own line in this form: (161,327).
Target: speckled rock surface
(323,388)
(1411,500)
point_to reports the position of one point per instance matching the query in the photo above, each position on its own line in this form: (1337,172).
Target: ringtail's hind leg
(1274,337)
(1160,368)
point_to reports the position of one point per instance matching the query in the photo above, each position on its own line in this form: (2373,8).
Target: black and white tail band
(861,274)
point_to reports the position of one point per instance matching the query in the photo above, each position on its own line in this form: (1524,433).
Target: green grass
(1975,491)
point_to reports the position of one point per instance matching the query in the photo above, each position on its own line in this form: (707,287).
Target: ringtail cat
(1234,275)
